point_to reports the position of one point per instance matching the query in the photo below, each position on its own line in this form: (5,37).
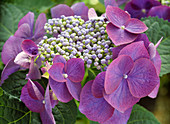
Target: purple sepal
(61,9)
(39,28)
(23,60)
(61,91)
(96,109)
(74,89)
(47,118)
(9,68)
(75,69)
(119,118)
(92,14)
(98,85)
(135,50)
(34,72)
(56,72)
(11,48)
(29,19)
(143,78)
(32,104)
(111,3)
(161,12)
(59,58)
(23,31)
(121,99)
(80,9)
(115,72)
(29,47)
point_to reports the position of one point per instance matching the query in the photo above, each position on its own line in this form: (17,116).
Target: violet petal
(56,72)
(111,3)
(154,92)
(135,26)
(115,72)
(34,72)
(121,99)
(92,14)
(23,31)
(29,19)
(11,48)
(31,104)
(61,91)
(29,47)
(98,85)
(135,50)
(59,58)
(96,109)
(74,89)
(143,78)
(61,9)
(80,9)
(23,60)
(47,118)
(39,27)
(119,118)
(119,36)
(117,16)
(9,68)
(75,69)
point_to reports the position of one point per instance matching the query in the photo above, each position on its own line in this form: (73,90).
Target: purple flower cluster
(74,41)
(145,8)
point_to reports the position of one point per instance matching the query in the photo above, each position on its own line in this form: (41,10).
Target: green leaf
(160,28)
(39,5)
(140,115)
(14,111)
(65,113)
(14,84)
(101,1)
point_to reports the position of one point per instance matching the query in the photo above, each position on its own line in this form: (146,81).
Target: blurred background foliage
(11,11)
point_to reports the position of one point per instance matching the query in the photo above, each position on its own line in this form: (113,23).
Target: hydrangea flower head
(130,77)
(96,108)
(122,29)
(140,8)
(65,78)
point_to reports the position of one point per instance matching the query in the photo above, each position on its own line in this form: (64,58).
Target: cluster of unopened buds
(74,39)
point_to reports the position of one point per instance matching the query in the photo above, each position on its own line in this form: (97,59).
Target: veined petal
(29,47)
(23,60)
(59,58)
(9,68)
(144,38)
(47,118)
(75,69)
(117,16)
(31,104)
(135,26)
(119,118)
(34,72)
(80,9)
(74,89)
(60,90)
(143,78)
(135,50)
(35,90)
(92,13)
(61,9)
(119,36)
(56,72)
(39,27)
(121,99)
(96,109)
(111,3)
(11,48)
(116,71)
(98,85)
(154,92)
(29,19)
(24,31)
